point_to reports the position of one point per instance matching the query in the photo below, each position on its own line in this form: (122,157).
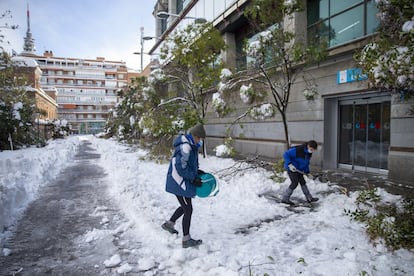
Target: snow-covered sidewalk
(242,233)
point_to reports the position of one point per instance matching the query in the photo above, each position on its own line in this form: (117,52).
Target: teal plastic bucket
(209,186)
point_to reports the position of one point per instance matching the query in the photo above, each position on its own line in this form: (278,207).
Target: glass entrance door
(364,134)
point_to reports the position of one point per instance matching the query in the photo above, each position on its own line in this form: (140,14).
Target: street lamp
(165,15)
(143,38)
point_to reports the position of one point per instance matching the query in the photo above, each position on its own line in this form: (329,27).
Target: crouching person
(297,164)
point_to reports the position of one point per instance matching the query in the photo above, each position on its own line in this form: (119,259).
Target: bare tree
(5,25)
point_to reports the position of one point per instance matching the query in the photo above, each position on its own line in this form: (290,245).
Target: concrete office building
(358,128)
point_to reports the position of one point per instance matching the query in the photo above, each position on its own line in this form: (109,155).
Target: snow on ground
(22,172)
(240,229)
(242,233)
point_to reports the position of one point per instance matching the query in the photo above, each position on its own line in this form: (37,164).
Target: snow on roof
(24,61)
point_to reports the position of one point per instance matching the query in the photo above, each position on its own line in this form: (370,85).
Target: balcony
(92,103)
(86,93)
(86,120)
(79,113)
(77,77)
(72,66)
(74,85)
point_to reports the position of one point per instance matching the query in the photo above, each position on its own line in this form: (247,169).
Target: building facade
(45,101)
(358,128)
(86,88)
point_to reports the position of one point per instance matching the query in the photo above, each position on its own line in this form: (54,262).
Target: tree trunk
(285,126)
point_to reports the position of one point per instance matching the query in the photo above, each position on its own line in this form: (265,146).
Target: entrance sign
(350,75)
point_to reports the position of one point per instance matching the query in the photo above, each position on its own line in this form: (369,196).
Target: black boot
(191,243)
(309,197)
(288,201)
(169,226)
(312,199)
(286,197)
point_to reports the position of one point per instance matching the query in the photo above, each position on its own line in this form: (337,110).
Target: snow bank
(22,172)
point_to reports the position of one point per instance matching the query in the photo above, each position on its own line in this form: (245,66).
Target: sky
(83,28)
(244,231)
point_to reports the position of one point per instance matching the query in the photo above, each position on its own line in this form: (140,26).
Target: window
(241,35)
(163,25)
(241,59)
(338,22)
(245,37)
(181,5)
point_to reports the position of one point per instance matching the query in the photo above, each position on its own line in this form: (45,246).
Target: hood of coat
(183,139)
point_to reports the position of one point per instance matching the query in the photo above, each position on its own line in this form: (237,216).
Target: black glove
(197,182)
(200,171)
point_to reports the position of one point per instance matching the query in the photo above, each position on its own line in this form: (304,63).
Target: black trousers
(186,209)
(295,179)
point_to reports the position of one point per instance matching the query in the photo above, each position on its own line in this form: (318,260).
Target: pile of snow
(22,172)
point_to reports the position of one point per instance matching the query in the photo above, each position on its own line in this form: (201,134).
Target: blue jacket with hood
(183,167)
(299,157)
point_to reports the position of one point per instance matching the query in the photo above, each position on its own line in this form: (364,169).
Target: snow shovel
(314,176)
(209,186)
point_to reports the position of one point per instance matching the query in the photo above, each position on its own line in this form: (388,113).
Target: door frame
(359,101)
(330,147)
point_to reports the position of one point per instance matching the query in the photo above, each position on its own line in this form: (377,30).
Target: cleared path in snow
(50,238)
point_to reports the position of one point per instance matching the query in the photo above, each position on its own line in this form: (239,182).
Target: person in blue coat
(297,164)
(182,180)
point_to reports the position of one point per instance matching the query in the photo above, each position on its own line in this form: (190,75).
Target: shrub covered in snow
(17,109)
(226,150)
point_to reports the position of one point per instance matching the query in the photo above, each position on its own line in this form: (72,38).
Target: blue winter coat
(183,167)
(299,157)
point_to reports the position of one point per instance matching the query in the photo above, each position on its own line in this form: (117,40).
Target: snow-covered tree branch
(275,58)
(389,59)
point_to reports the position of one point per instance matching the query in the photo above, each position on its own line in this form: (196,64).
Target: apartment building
(358,128)
(86,88)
